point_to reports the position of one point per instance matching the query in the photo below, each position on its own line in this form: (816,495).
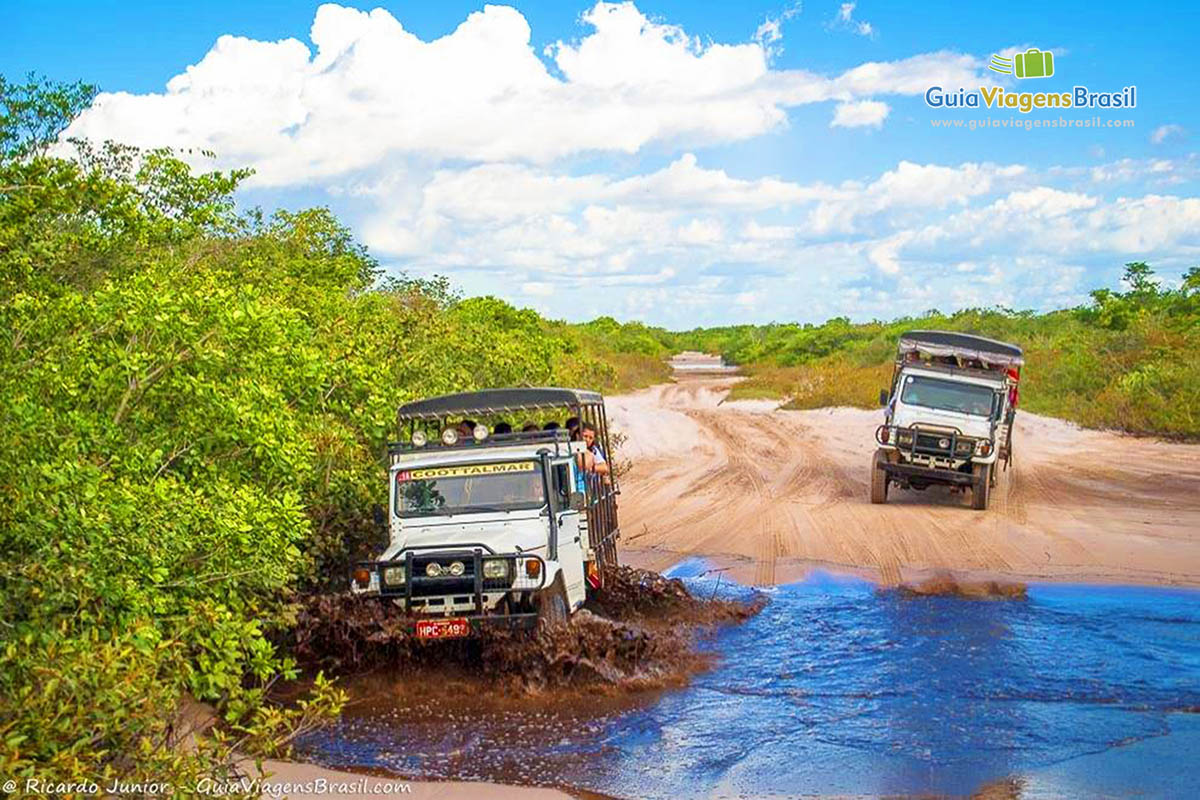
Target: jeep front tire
(879,478)
(981,487)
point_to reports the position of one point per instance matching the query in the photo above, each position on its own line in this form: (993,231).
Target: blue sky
(684,163)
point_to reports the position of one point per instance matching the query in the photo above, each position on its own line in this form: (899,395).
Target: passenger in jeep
(599,460)
(586,462)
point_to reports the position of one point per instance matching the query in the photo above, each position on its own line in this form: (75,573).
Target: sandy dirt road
(770,494)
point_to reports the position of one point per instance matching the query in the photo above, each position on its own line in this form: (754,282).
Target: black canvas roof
(963,344)
(490,401)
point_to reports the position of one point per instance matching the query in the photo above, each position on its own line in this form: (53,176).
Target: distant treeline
(1128,360)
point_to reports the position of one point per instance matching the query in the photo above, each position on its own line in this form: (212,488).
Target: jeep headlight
(904,437)
(495,568)
(964,447)
(394,576)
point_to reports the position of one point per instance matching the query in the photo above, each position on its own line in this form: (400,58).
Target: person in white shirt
(599,460)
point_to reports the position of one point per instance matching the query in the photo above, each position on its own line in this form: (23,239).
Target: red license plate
(443,628)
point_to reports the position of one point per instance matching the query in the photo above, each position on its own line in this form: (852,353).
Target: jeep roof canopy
(498,401)
(963,345)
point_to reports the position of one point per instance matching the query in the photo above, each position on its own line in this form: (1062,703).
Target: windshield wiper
(469,509)
(953,410)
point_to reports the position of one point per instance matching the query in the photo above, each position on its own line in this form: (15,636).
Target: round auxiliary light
(943,443)
(457,569)
(480,433)
(419,439)
(433,569)
(449,437)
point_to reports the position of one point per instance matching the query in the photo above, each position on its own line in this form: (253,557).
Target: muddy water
(838,688)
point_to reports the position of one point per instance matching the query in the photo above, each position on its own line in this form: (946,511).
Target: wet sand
(769,495)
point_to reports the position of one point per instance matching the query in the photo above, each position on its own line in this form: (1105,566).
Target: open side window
(562,485)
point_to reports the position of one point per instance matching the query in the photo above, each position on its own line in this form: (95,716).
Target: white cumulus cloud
(370,93)
(1164,132)
(524,173)
(845,19)
(863,113)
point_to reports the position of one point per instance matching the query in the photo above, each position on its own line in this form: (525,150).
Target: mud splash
(947,585)
(638,633)
(639,595)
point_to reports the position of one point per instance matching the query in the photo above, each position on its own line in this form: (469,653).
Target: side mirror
(380,517)
(578,501)
(883,397)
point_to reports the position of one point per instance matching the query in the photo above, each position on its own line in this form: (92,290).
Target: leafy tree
(33,114)
(1140,278)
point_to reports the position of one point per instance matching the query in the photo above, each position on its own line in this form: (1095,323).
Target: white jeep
(491,528)
(949,414)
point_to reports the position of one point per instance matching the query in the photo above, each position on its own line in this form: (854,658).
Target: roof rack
(497,401)
(558,437)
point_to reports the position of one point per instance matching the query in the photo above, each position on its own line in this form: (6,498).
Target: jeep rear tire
(879,478)
(981,488)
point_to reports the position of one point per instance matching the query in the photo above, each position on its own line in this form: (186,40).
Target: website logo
(1033,63)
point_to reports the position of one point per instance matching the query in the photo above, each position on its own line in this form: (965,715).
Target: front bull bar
(476,556)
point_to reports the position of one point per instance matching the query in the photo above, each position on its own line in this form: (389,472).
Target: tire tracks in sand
(771,493)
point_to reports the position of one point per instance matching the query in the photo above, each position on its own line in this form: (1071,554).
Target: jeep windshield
(469,488)
(944,395)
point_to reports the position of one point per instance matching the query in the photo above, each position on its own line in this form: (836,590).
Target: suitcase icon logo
(1033,63)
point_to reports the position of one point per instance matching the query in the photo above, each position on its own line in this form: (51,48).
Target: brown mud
(640,632)
(947,585)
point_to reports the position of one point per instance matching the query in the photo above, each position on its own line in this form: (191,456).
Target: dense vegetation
(194,404)
(1129,360)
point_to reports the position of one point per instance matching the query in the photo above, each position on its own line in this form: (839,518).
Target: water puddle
(837,688)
